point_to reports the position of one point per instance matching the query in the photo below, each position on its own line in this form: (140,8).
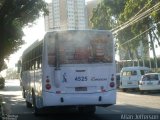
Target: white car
(130,76)
(149,81)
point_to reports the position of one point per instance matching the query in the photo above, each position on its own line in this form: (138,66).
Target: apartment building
(66,14)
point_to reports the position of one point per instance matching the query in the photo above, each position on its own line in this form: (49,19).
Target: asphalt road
(128,103)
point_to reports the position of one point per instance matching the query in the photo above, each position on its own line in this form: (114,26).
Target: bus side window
(39,59)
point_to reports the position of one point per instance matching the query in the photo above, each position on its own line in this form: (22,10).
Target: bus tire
(28,104)
(87,109)
(36,110)
(23,93)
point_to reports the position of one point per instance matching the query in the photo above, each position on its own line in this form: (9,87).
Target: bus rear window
(82,48)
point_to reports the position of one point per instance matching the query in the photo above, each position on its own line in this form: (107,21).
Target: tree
(136,17)
(107,13)
(14,15)
(148,12)
(11,74)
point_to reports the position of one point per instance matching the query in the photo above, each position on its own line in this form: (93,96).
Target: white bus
(74,68)
(130,77)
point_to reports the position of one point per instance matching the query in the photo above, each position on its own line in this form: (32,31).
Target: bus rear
(79,69)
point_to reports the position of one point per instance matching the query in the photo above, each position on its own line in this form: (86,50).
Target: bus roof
(91,30)
(35,44)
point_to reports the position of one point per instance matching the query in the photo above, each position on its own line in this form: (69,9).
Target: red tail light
(48,86)
(112,84)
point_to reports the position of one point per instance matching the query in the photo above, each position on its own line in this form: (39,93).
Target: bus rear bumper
(99,99)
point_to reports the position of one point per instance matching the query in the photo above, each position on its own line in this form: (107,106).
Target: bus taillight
(48,86)
(112,84)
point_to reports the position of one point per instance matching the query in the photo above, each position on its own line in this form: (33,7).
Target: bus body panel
(87,83)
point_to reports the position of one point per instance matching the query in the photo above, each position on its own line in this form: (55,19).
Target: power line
(138,18)
(133,19)
(138,35)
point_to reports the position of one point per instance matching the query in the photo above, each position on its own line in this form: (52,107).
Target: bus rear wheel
(36,110)
(87,109)
(28,104)
(23,93)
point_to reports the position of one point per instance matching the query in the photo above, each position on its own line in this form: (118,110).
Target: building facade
(66,14)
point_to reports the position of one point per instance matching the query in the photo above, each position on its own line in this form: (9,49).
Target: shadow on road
(131,109)
(110,113)
(137,92)
(15,105)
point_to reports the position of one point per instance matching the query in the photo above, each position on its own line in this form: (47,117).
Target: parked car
(2,82)
(149,82)
(130,76)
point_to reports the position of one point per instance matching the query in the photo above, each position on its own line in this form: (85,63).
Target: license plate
(80,88)
(129,82)
(150,83)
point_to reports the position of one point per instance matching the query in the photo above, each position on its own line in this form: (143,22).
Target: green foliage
(106,14)
(12,74)
(2,82)
(138,23)
(14,15)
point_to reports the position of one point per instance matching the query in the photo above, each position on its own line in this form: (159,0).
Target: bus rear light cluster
(112,84)
(48,85)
